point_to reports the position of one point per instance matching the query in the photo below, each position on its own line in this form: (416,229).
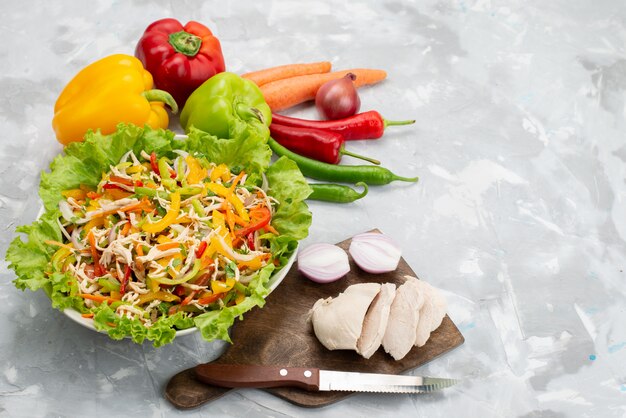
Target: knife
(312,379)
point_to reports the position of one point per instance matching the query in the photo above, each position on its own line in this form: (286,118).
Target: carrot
(125,229)
(236,180)
(87,315)
(167,246)
(268,75)
(97,298)
(143,204)
(286,93)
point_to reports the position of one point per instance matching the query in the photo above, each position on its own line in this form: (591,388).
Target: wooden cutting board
(279,334)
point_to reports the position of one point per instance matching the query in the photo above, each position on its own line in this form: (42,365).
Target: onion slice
(323,263)
(375,252)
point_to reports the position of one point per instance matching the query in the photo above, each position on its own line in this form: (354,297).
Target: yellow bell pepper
(222,287)
(197,173)
(112,90)
(169,217)
(154,295)
(220,172)
(222,191)
(76,194)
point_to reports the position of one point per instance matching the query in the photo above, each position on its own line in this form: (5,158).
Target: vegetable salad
(147,234)
(157,238)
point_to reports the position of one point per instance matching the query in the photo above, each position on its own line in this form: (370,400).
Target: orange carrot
(97,298)
(271,229)
(167,246)
(283,94)
(268,75)
(87,315)
(125,229)
(236,180)
(143,204)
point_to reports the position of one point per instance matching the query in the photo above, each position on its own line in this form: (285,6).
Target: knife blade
(313,379)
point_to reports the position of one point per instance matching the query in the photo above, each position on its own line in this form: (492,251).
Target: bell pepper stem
(344,151)
(247,112)
(185,43)
(397,122)
(156,95)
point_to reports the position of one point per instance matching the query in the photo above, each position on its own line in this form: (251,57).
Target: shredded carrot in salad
(150,246)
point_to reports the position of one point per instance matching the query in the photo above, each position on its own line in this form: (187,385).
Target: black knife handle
(252,376)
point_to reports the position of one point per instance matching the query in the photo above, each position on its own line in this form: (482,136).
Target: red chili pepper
(211,298)
(200,249)
(250,239)
(179,291)
(260,218)
(107,186)
(154,164)
(180,58)
(366,125)
(127,272)
(320,145)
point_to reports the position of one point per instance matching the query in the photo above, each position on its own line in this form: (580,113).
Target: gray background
(520,214)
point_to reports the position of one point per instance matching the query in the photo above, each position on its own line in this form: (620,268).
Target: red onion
(323,263)
(375,253)
(338,98)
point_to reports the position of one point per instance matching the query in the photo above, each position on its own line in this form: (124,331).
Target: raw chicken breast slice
(422,332)
(376,320)
(403,319)
(338,322)
(440,307)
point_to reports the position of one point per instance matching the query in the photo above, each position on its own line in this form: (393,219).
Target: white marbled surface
(520,214)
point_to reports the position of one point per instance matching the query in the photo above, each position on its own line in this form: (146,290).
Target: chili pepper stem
(397,122)
(156,95)
(409,179)
(344,151)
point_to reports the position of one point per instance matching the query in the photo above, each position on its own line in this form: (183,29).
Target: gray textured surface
(520,215)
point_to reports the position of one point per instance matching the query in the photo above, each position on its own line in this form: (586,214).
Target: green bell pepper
(222,102)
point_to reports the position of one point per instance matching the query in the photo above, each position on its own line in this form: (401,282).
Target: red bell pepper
(180,58)
(259,218)
(125,279)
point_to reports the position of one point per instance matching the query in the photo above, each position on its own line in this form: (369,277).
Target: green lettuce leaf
(249,151)
(30,258)
(288,185)
(215,324)
(84,163)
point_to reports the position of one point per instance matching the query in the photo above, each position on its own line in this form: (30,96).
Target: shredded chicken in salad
(159,236)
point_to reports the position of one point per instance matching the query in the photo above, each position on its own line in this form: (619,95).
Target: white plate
(273,283)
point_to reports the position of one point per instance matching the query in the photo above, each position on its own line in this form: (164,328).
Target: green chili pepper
(181,279)
(180,170)
(341,173)
(164,169)
(146,191)
(109,284)
(189,191)
(240,287)
(197,207)
(221,102)
(336,192)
